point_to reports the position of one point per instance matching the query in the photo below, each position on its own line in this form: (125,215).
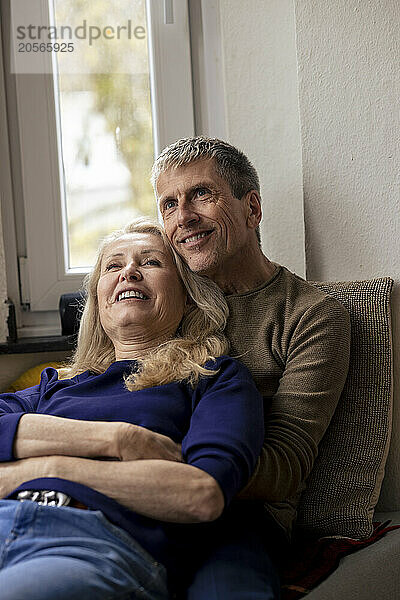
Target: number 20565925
(45,47)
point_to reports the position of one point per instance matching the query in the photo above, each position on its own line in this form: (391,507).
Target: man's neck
(239,276)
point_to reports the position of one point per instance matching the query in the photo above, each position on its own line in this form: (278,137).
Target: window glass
(87,131)
(105,136)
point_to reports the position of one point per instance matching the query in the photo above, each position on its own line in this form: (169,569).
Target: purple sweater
(219,424)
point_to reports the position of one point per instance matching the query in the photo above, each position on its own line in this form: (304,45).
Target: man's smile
(194,239)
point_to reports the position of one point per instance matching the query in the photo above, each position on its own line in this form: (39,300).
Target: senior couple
(153,466)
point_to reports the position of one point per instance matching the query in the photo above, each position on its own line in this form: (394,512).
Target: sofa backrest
(343,487)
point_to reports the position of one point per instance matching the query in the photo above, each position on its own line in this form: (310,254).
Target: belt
(49,498)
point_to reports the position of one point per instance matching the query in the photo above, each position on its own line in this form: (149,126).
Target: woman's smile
(134,290)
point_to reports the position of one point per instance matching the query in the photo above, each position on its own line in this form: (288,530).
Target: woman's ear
(189,306)
(188,303)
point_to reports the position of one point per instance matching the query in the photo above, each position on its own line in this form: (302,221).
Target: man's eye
(202,193)
(169,204)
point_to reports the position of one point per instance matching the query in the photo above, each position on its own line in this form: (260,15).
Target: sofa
(344,486)
(336,524)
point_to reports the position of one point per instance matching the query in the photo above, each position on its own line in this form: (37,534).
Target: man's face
(205,223)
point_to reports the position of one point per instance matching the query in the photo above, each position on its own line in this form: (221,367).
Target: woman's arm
(221,448)
(44,435)
(41,435)
(164,490)
(25,433)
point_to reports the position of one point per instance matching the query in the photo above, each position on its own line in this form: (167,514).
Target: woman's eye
(112,266)
(153,262)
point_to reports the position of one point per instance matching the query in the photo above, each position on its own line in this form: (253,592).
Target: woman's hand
(13,474)
(136,443)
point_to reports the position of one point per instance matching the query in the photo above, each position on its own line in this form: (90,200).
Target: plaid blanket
(311,562)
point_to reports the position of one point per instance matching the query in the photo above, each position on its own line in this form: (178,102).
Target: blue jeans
(61,553)
(244,565)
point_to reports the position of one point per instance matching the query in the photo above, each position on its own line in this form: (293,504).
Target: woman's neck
(136,348)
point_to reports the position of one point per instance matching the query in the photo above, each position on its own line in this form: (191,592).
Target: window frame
(38,277)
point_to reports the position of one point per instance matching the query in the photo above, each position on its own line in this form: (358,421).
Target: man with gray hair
(294,339)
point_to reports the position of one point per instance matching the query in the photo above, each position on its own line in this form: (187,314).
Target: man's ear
(253,209)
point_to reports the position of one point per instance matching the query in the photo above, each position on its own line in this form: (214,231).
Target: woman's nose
(131,273)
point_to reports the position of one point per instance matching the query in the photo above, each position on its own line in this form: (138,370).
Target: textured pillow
(31,377)
(345,482)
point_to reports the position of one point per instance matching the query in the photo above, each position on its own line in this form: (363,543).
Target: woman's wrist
(121,433)
(45,435)
(17,472)
(104,440)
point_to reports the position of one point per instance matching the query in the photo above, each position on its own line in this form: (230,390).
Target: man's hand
(136,443)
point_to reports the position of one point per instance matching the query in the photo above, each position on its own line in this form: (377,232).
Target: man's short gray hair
(230,163)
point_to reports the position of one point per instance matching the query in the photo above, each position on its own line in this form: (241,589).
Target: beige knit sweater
(296,341)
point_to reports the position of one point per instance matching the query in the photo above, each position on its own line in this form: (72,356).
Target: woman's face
(139,291)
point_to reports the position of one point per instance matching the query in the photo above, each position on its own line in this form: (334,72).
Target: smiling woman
(139,286)
(139,259)
(148,389)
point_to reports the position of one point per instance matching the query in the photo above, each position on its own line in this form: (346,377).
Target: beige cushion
(344,485)
(369,574)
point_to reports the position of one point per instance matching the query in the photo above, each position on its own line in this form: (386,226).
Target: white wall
(343,84)
(262,115)
(3,293)
(349,89)
(3,151)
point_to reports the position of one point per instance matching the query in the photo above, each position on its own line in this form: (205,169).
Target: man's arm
(164,490)
(306,399)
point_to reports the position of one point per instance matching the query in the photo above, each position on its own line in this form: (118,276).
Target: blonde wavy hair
(199,338)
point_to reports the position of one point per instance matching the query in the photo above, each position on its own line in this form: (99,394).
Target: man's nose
(186,215)
(131,273)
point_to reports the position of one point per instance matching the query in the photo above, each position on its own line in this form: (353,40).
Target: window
(105,140)
(87,132)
